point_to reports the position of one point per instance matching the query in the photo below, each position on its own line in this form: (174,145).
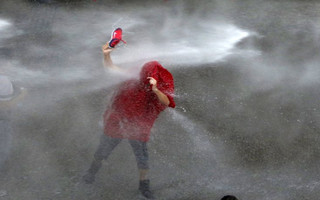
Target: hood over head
(164,78)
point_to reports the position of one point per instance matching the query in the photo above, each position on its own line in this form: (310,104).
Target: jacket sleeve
(167,87)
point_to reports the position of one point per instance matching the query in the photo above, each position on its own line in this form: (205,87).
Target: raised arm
(107,61)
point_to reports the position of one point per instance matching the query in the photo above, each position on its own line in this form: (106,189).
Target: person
(134,109)
(10,96)
(229,197)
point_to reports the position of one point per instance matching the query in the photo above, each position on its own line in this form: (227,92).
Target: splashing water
(197,134)
(172,40)
(208,43)
(180,36)
(5,31)
(4,24)
(170,43)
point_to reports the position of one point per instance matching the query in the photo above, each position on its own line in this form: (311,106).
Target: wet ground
(247,119)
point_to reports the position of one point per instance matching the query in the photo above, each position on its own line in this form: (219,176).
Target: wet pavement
(246,75)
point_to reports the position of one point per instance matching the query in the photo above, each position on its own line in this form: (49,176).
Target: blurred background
(247,120)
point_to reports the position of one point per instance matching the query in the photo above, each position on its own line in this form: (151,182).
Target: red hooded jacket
(135,106)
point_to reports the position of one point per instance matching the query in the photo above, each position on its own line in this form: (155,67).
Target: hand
(106,49)
(153,82)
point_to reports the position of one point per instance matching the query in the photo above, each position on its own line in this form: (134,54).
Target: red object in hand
(116,37)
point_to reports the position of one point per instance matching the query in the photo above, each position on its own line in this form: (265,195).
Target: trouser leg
(107,144)
(141,153)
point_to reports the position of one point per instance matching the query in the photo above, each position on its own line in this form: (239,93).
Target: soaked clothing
(135,106)
(107,144)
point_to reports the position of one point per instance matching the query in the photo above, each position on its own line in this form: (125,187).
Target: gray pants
(106,146)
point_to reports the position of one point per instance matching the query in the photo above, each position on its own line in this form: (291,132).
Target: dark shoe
(88,178)
(144,188)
